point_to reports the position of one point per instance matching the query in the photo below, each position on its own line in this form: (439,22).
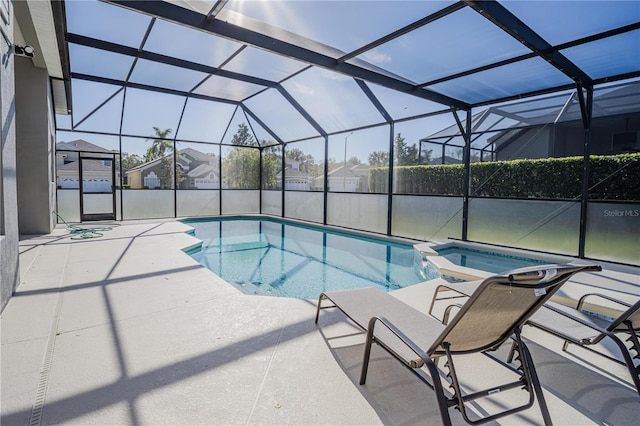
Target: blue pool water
(270,257)
(486,261)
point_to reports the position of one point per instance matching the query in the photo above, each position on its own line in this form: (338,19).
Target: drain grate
(41,393)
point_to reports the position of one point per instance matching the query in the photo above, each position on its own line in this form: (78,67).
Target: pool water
(270,257)
(486,261)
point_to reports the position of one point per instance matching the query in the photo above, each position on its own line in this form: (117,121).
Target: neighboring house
(81,145)
(146,175)
(340,179)
(354,179)
(204,176)
(549,127)
(362,172)
(446,160)
(97,174)
(294,179)
(199,170)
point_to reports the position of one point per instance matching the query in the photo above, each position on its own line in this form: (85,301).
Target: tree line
(241,166)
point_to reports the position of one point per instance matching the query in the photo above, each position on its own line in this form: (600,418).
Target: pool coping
(305,224)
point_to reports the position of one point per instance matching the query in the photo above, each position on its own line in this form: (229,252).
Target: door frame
(97,216)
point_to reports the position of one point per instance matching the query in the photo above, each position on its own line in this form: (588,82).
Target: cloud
(378,58)
(302,89)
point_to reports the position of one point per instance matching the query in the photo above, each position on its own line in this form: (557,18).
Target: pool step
(249,245)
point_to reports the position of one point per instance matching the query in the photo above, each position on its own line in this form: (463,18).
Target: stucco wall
(134,179)
(34,149)
(8,194)
(536,143)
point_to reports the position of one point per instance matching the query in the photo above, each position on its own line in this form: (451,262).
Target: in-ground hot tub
(464,261)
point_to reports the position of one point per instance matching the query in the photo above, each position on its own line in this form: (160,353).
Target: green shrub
(545,178)
(613,177)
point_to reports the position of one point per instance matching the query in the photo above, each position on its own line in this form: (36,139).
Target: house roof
(80,145)
(341,172)
(197,155)
(144,165)
(291,173)
(360,167)
(202,170)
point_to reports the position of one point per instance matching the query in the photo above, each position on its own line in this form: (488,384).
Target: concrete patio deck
(128,329)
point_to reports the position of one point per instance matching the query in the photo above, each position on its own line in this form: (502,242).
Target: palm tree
(160,145)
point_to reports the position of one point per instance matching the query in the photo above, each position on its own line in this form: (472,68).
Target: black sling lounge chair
(573,325)
(495,312)
(578,328)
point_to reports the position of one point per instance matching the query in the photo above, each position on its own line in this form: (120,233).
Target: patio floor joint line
(35,418)
(266,372)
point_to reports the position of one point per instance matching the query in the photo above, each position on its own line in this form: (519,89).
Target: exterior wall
(535,144)
(152,180)
(566,139)
(9,271)
(211,181)
(134,179)
(34,149)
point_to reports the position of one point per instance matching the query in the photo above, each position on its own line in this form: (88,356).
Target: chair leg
(626,354)
(512,352)
(533,377)
(320,299)
(439,390)
(433,371)
(624,351)
(367,353)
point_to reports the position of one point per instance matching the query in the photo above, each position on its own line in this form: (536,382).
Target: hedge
(613,177)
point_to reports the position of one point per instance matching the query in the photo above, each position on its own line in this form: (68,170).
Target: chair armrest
(583,299)
(447,312)
(421,354)
(444,287)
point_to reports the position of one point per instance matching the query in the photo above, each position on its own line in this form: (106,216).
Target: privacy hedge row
(615,177)
(612,177)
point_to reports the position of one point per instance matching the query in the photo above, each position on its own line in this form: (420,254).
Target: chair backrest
(631,315)
(501,304)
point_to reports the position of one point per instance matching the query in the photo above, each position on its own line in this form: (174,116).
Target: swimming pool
(277,258)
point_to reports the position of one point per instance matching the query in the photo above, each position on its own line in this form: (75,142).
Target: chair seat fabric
(363,304)
(546,318)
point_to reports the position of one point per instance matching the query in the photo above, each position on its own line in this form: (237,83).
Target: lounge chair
(495,312)
(573,325)
(584,330)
